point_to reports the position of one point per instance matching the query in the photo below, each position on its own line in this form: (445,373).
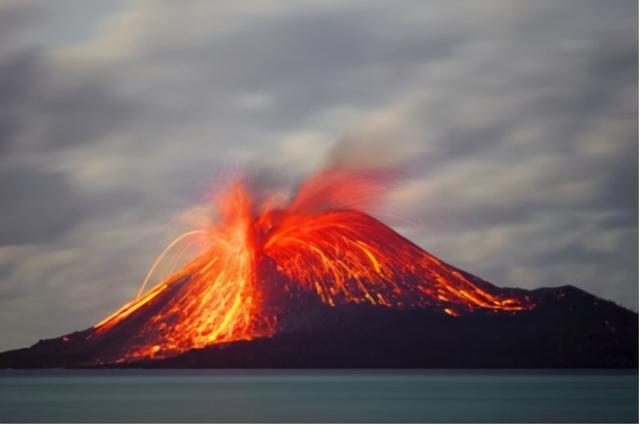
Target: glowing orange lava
(319,243)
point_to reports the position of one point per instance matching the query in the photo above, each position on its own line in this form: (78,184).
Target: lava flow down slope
(312,267)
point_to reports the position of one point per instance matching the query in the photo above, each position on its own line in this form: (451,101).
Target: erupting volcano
(260,258)
(268,262)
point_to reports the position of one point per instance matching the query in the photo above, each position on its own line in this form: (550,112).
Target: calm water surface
(318,396)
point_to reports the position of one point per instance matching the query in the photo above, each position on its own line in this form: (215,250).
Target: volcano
(316,282)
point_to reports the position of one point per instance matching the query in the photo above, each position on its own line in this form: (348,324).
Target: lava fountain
(262,255)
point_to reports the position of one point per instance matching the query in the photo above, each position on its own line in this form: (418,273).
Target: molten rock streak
(319,243)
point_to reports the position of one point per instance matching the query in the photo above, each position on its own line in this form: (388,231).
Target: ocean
(318,396)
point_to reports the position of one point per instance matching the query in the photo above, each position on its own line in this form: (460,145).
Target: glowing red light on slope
(319,243)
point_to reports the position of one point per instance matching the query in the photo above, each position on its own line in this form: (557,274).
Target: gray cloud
(515,124)
(44,203)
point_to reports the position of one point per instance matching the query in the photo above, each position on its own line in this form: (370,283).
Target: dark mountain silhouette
(337,288)
(569,328)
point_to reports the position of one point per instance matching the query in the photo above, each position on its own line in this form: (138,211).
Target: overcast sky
(516,122)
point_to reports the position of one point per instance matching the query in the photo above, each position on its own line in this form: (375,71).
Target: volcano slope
(561,327)
(318,283)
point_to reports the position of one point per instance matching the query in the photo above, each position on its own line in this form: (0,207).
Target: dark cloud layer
(515,124)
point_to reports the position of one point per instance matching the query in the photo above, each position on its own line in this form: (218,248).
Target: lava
(320,242)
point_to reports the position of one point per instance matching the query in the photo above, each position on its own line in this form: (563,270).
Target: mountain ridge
(338,288)
(569,328)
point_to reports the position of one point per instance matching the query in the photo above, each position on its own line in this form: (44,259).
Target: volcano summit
(316,282)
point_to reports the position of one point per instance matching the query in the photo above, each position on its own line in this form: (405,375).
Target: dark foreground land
(318,396)
(569,328)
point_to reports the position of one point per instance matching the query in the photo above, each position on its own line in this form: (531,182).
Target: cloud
(515,124)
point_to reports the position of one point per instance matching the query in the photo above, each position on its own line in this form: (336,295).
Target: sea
(319,396)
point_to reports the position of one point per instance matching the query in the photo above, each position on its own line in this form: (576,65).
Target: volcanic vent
(262,259)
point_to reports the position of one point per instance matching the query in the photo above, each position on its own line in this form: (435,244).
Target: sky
(515,124)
